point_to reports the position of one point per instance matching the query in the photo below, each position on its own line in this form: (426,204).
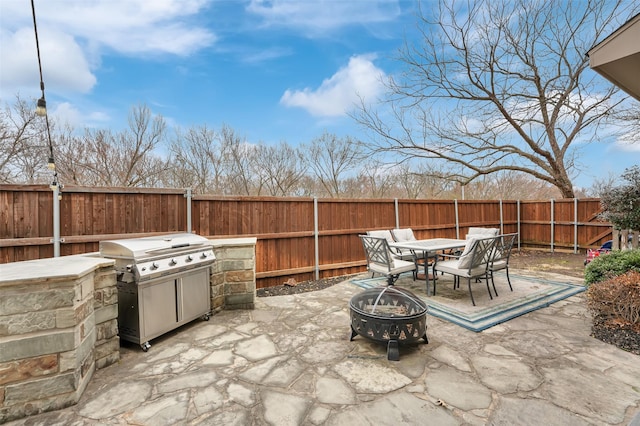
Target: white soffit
(617,57)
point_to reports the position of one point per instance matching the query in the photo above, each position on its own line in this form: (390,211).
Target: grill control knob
(189,258)
(155,265)
(172,262)
(204,255)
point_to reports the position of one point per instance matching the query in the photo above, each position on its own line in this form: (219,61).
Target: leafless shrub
(617,299)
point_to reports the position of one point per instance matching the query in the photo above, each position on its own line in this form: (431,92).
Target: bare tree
(23,143)
(425,180)
(499,85)
(281,168)
(197,160)
(630,121)
(330,159)
(239,164)
(509,185)
(377,180)
(72,158)
(126,158)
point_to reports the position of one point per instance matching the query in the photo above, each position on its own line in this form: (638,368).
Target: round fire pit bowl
(391,315)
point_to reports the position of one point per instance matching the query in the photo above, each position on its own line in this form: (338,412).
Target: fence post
(518,225)
(395,203)
(315,237)
(188,196)
(501,219)
(56,220)
(575,226)
(455,203)
(552,222)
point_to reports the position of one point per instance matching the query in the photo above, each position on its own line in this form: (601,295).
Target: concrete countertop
(51,269)
(245,241)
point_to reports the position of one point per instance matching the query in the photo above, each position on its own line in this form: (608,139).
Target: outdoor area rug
(529,293)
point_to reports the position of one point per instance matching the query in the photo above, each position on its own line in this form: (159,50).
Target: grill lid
(141,259)
(136,249)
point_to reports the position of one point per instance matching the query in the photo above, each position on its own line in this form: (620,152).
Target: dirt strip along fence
(300,238)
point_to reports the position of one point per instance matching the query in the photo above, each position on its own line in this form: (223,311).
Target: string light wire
(42,102)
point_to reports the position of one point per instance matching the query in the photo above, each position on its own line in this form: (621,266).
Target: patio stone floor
(290,362)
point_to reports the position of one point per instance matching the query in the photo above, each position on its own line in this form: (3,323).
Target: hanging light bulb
(41,107)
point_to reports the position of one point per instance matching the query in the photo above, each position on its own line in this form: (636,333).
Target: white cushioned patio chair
(380,259)
(473,263)
(500,256)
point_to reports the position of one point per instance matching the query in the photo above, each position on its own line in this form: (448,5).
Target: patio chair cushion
(385,233)
(398,266)
(482,232)
(465,258)
(404,234)
(451,267)
(498,265)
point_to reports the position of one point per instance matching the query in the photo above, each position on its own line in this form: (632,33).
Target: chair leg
(493,283)
(508,280)
(426,274)
(473,302)
(489,288)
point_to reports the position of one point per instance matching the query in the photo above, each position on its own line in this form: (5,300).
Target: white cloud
(73,35)
(321,15)
(131,26)
(67,114)
(266,55)
(338,94)
(65,67)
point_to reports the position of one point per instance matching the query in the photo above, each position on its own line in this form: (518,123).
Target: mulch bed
(622,336)
(301,287)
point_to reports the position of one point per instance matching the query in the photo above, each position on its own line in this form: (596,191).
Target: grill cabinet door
(158,308)
(193,295)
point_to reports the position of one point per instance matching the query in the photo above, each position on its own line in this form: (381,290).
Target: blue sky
(272,70)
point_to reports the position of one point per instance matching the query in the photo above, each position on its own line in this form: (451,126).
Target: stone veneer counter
(58,323)
(233,275)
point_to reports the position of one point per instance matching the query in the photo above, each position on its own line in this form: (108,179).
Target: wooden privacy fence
(303,238)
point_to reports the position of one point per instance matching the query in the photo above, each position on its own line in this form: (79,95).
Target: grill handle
(175,246)
(180,245)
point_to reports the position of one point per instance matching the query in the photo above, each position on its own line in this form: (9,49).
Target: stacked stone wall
(233,278)
(49,335)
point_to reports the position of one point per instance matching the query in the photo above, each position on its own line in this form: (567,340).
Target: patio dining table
(429,247)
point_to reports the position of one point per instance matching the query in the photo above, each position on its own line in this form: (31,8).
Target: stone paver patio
(290,362)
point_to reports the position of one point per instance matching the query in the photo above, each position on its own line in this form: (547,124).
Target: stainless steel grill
(163,283)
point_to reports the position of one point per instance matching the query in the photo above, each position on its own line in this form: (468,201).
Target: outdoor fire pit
(389,314)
